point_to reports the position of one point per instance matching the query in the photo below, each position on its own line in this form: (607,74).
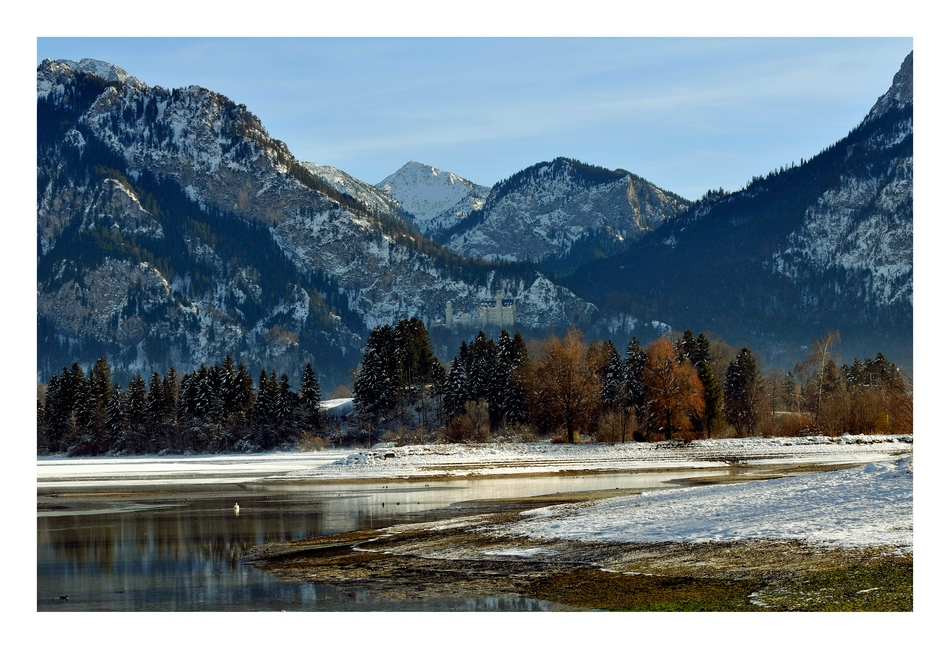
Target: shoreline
(580,563)
(459,557)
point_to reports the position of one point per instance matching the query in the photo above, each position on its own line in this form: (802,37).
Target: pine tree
(713,395)
(116,421)
(455,390)
(156,405)
(171,385)
(741,391)
(286,407)
(265,409)
(310,417)
(634,364)
(611,376)
(136,409)
(376,388)
(55,414)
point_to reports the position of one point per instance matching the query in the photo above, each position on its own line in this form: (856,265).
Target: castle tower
(448,314)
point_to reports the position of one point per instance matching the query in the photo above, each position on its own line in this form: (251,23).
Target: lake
(162,534)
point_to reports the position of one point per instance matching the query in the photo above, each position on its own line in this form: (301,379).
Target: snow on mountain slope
(436,199)
(175,216)
(365,193)
(864,226)
(542,211)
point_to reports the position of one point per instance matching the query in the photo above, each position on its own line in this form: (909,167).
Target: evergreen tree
(701,352)
(54,414)
(116,421)
(740,392)
(265,409)
(714,397)
(171,384)
(483,368)
(136,412)
(686,348)
(75,388)
(634,364)
(100,388)
(286,407)
(42,443)
(611,376)
(455,390)
(376,387)
(310,416)
(156,405)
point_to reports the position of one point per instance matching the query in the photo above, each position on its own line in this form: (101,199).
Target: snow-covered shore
(870,505)
(867,505)
(386,461)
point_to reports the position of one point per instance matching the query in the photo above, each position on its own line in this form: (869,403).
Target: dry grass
(471,557)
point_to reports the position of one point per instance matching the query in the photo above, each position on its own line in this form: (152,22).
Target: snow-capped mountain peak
(436,199)
(102,69)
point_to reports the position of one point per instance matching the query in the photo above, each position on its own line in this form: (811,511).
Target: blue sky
(688,114)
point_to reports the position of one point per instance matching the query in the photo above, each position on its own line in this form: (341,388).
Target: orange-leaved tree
(674,393)
(564,386)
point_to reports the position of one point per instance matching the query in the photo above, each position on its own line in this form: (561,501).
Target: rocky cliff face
(173,230)
(863,226)
(553,209)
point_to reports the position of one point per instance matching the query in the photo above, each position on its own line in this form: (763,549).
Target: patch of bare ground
(471,557)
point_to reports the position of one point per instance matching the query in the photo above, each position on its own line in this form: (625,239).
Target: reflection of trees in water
(79,546)
(142,542)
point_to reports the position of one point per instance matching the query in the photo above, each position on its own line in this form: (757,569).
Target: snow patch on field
(865,506)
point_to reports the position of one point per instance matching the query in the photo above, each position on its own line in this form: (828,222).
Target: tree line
(211,410)
(677,387)
(568,389)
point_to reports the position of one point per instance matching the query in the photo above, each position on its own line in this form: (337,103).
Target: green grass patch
(622,592)
(883,586)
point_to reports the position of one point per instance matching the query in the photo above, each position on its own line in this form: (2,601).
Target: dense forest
(565,389)
(210,410)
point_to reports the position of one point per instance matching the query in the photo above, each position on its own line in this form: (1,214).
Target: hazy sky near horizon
(688,114)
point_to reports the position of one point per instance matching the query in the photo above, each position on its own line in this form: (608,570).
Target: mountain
(563,213)
(824,245)
(364,193)
(436,199)
(172,230)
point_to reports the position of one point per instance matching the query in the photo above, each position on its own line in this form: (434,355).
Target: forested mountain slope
(562,213)
(827,244)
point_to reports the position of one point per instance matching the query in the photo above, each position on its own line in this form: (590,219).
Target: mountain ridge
(180,184)
(171,229)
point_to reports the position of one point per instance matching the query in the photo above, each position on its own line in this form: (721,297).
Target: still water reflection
(180,550)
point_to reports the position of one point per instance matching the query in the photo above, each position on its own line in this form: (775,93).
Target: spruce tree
(715,400)
(634,364)
(310,417)
(376,388)
(286,410)
(116,421)
(740,392)
(136,412)
(455,390)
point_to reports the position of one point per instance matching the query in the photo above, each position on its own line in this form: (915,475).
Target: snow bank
(865,506)
(456,460)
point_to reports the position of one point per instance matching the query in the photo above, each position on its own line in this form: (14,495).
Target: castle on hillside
(498,312)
